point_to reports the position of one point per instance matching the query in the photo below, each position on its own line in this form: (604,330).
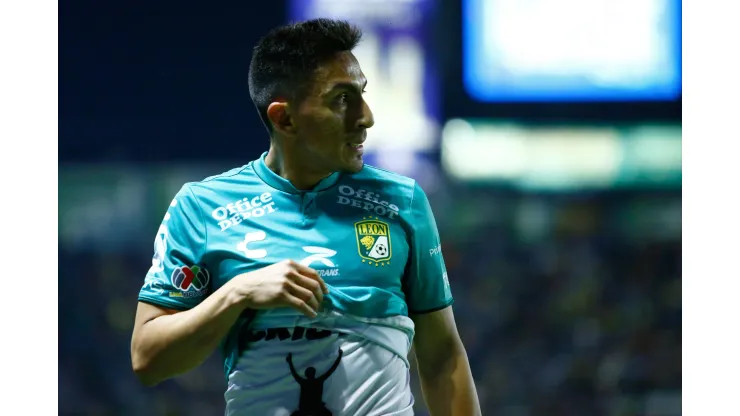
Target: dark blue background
(158,80)
(148,81)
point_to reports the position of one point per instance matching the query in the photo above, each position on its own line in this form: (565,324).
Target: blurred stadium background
(547,134)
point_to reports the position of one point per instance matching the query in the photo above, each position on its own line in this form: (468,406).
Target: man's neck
(290,169)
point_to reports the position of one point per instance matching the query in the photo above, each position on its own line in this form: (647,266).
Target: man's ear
(278,112)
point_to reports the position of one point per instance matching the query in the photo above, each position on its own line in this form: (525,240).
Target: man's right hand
(284,284)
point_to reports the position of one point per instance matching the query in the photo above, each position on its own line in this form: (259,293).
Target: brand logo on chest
(368,201)
(322,256)
(234,213)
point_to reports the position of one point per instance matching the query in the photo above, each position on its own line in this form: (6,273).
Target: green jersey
(370,235)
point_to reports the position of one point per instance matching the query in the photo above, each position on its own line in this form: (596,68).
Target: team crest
(373,241)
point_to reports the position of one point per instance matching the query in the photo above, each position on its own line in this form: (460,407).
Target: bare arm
(446,381)
(167,342)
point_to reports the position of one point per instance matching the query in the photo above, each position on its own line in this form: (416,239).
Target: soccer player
(313,272)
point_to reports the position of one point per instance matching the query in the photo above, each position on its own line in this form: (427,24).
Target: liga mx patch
(373,241)
(192,281)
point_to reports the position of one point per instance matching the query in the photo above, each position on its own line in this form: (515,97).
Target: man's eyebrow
(346,86)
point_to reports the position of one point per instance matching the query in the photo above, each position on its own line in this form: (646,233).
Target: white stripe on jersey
(370,379)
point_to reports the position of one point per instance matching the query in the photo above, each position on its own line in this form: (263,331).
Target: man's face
(332,120)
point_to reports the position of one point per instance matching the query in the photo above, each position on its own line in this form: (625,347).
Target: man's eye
(342,98)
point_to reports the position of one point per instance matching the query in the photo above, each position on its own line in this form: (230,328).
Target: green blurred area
(568,302)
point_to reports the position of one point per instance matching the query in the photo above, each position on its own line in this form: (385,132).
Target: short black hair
(285,59)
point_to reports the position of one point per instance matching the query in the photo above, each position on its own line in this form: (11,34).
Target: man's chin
(355,165)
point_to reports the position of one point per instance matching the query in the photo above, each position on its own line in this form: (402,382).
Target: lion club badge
(373,241)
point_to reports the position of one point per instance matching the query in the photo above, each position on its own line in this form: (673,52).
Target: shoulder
(220,188)
(384,177)
(372,186)
(237,182)
(395,186)
(237,175)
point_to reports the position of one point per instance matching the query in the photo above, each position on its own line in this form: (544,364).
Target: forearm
(448,386)
(173,344)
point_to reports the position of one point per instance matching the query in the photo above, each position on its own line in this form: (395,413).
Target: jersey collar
(277,182)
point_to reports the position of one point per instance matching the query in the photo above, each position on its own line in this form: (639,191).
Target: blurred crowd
(567,305)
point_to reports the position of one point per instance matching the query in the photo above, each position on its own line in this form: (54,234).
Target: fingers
(301,306)
(310,284)
(305,270)
(306,296)
(310,281)
(311,273)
